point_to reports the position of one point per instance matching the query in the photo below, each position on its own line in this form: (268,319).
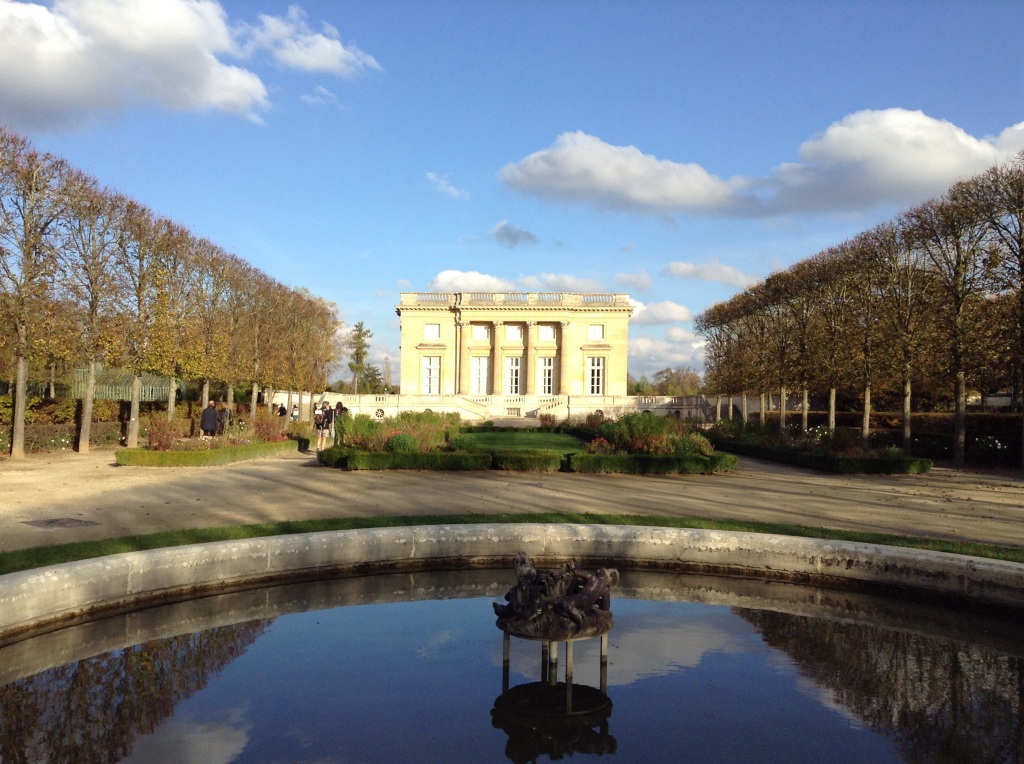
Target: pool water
(409,669)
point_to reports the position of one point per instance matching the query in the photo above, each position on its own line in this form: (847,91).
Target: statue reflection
(549,717)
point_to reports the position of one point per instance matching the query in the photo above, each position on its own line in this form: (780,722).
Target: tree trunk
(132,440)
(231,398)
(804,409)
(907,440)
(20,408)
(782,408)
(301,411)
(255,398)
(729,410)
(762,412)
(865,425)
(960,420)
(172,395)
(718,408)
(744,411)
(51,389)
(85,430)
(831,410)
(204,397)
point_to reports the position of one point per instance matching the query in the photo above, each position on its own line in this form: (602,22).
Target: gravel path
(57,498)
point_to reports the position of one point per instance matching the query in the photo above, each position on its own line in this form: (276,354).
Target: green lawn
(552,441)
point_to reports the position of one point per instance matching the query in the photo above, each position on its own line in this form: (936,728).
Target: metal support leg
(604,663)
(506,655)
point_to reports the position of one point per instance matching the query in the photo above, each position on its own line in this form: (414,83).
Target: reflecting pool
(408,668)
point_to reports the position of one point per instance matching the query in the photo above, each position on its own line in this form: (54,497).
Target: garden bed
(894,464)
(143,457)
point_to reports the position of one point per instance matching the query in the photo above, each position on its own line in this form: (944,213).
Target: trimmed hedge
(847,465)
(346,459)
(526,460)
(645,464)
(142,457)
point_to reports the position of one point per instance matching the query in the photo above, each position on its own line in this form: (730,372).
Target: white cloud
(639,281)
(558,282)
(293,44)
(647,354)
(469,281)
(666,312)
(63,65)
(320,96)
(580,167)
(866,160)
(712,270)
(442,185)
(678,334)
(511,236)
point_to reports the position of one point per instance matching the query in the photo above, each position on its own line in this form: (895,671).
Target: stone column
(563,359)
(530,358)
(497,361)
(463,385)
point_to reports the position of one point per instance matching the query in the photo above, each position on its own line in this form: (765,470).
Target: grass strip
(37,557)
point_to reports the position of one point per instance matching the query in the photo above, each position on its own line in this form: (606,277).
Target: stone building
(513,344)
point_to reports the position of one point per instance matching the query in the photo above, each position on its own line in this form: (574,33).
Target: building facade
(514,344)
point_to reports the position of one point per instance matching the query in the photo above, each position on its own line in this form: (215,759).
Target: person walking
(208,420)
(323,420)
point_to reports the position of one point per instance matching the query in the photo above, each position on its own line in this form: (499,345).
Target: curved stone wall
(47,597)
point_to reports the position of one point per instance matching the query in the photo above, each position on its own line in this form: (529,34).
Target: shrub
(527,460)
(600,446)
(693,443)
(547,420)
(634,432)
(162,433)
(265,426)
(400,443)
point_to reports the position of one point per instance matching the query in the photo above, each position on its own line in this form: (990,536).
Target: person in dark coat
(208,421)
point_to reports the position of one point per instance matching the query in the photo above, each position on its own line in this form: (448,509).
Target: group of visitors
(323,421)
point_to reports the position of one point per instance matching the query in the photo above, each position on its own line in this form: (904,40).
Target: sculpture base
(553,627)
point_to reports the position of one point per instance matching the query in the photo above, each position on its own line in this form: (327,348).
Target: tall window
(547,375)
(431,384)
(595,375)
(479,383)
(512,367)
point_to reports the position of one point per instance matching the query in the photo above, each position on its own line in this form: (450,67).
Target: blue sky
(675,151)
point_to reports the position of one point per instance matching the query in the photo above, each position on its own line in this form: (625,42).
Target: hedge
(646,464)
(888,465)
(337,456)
(527,460)
(142,457)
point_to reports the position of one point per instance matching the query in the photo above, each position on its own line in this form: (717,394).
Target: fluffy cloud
(659,313)
(511,236)
(867,159)
(647,354)
(712,270)
(639,281)
(444,186)
(293,44)
(558,282)
(580,167)
(469,281)
(63,65)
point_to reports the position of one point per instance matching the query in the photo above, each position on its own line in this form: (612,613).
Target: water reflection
(408,668)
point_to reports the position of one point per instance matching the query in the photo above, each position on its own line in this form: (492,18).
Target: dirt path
(53,499)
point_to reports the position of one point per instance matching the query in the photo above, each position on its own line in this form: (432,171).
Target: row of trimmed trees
(89,276)
(933,299)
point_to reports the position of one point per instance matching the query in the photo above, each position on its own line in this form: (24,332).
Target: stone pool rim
(45,598)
